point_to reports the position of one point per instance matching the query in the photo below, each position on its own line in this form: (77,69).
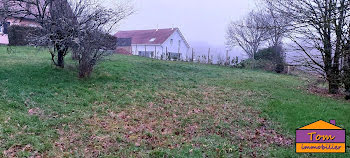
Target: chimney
(157,27)
(332,122)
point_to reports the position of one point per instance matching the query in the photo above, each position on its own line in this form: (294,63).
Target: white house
(157,43)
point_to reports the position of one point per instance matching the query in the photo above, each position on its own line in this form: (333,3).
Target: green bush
(274,55)
(268,59)
(257,64)
(22,35)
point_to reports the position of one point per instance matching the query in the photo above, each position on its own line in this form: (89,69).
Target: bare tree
(317,25)
(94,22)
(276,25)
(248,33)
(77,25)
(346,73)
(55,19)
(346,60)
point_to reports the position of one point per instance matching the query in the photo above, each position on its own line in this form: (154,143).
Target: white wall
(174,47)
(152,48)
(4,39)
(161,49)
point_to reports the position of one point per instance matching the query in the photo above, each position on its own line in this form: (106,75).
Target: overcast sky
(201,21)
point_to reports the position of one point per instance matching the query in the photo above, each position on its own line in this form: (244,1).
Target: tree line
(320,29)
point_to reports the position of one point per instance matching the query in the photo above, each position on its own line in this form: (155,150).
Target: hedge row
(22,35)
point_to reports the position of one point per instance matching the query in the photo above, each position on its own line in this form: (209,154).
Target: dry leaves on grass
(174,120)
(13,151)
(325,93)
(35,111)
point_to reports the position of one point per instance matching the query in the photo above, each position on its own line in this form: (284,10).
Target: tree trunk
(75,56)
(60,59)
(85,70)
(82,73)
(61,52)
(333,88)
(85,66)
(347,90)
(346,75)
(333,81)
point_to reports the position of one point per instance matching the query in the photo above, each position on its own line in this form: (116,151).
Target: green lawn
(138,107)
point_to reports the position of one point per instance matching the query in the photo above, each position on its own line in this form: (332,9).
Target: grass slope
(140,107)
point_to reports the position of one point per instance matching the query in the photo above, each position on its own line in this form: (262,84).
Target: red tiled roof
(147,36)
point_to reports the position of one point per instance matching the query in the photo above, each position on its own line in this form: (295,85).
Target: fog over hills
(216,51)
(198,20)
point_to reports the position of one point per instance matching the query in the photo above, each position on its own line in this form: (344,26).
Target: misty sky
(201,21)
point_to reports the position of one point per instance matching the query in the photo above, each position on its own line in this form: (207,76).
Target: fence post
(288,70)
(192,55)
(137,51)
(209,56)
(166,51)
(227,58)
(162,55)
(155,51)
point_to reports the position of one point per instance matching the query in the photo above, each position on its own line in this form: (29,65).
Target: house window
(4,27)
(179,43)
(152,40)
(1,29)
(171,41)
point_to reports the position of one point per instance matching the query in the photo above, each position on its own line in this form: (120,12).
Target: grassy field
(138,107)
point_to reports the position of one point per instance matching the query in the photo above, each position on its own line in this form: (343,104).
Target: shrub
(279,68)
(92,47)
(22,35)
(257,64)
(275,57)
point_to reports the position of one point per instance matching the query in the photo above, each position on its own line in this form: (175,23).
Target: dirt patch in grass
(314,89)
(319,86)
(174,120)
